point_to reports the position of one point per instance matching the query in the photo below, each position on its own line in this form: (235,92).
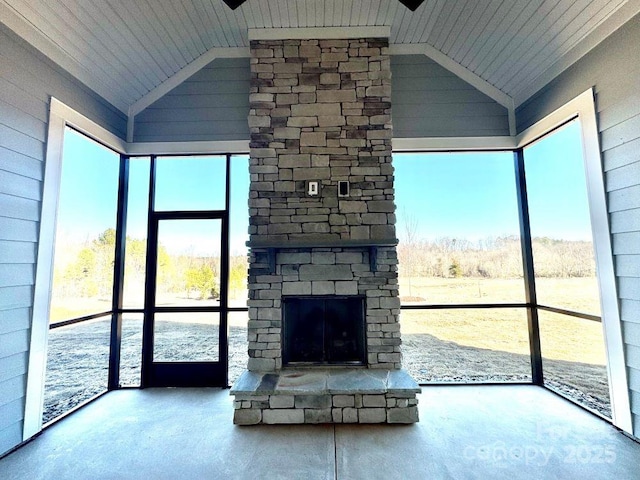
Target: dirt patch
(432,360)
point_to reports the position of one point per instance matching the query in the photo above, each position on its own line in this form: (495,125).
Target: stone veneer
(324,271)
(326,396)
(320,110)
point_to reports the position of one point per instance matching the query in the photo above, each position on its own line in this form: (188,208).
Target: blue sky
(473,195)
(199,187)
(87,202)
(556,186)
(184,183)
(88,189)
(458,195)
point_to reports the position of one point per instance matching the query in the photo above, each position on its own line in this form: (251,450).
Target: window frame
(583,107)
(60,116)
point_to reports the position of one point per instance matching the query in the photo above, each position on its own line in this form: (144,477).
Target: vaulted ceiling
(127,49)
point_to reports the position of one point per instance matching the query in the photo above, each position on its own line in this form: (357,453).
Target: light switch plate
(312,188)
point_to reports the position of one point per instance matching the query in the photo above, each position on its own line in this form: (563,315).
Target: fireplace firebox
(322,330)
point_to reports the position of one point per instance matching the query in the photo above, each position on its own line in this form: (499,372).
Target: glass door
(185,326)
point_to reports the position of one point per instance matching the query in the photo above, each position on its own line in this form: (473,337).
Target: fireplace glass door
(324,331)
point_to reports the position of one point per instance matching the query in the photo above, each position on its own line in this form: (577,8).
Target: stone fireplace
(324,337)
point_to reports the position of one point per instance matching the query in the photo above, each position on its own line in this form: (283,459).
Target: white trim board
(85,125)
(399,145)
(581,105)
(449,144)
(318,33)
(188,148)
(39,334)
(60,115)
(584,108)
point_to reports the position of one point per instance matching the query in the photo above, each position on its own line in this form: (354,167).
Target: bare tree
(409,248)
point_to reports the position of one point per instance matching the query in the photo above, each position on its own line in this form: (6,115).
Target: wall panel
(429,101)
(212,105)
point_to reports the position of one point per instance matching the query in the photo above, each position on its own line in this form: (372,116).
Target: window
(583,108)
(460,267)
(201,177)
(238,265)
(457,221)
(461,279)
(85,232)
(448,334)
(81,299)
(136,239)
(566,284)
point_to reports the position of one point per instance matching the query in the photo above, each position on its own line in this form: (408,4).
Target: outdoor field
(470,345)
(448,345)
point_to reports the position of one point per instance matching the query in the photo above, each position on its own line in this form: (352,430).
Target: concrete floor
(465,432)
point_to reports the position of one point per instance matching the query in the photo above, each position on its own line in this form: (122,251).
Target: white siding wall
(27,80)
(613,68)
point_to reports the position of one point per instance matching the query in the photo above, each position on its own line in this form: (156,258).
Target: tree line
(498,257)
(86,270)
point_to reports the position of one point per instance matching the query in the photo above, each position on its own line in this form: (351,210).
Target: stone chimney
(323,283)
(321,112)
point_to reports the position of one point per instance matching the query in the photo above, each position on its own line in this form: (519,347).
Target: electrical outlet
(312,188)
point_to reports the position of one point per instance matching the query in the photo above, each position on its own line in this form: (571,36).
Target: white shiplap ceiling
(127,50)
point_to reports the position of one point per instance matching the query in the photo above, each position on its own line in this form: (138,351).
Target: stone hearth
(322,223)
(326,396)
